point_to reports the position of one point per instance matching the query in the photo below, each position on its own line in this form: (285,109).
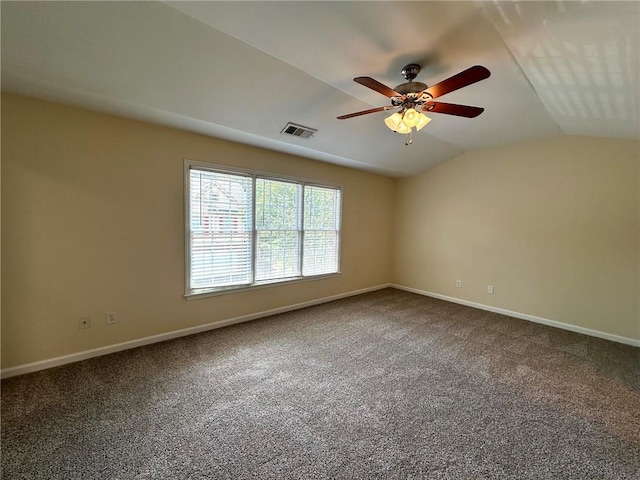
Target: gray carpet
(385,385)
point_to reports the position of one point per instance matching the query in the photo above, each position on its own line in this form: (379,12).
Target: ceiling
(242,70)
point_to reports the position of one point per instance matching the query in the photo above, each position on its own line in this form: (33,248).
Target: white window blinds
(278,229)
(321,228)
(247,229)
(220,223)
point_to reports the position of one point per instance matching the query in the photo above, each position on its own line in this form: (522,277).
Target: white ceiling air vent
(298,130)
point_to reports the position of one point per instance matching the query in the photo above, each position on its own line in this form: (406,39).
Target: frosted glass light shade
(402,123)
(422,121)
(395,123)
(411,117)
(392,121)
(402,128)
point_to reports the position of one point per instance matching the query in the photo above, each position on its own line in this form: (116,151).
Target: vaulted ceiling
(242,70)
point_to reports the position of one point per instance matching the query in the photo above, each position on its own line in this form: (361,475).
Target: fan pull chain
(410,141)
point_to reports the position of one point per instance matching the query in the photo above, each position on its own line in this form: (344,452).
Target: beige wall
(552,224)
(92,211)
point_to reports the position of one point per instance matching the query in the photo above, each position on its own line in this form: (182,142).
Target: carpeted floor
(385,385)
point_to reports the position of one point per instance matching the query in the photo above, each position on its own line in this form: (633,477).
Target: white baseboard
(118,347)
(524,316)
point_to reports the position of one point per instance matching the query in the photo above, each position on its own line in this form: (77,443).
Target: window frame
(254,174)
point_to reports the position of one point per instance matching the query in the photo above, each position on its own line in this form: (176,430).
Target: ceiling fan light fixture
(402,123)
(395,123)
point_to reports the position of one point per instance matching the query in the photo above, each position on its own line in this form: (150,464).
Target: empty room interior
(328,240)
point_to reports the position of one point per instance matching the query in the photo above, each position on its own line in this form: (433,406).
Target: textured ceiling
(242,70)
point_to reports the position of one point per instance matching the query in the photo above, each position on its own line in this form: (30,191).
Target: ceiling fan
(412,96)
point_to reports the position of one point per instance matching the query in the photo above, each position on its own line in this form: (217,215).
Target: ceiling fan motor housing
(411,87)
(411,71)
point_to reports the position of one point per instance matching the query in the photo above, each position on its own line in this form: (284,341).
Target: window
(246,229)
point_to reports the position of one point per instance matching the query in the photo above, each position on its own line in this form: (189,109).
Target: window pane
(320,252)
(321,206)
(277,254)
(277,205)
(277,225)
(220,220)
(321,230)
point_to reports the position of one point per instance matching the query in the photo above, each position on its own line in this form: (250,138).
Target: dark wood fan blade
(453,109)
(377,86)
(364,112)
(462,79)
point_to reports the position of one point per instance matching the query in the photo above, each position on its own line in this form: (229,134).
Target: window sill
(257,286)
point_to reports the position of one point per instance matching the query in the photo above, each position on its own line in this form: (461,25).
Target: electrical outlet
(110,318)
(84,322)
(458,283)
(490,289)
